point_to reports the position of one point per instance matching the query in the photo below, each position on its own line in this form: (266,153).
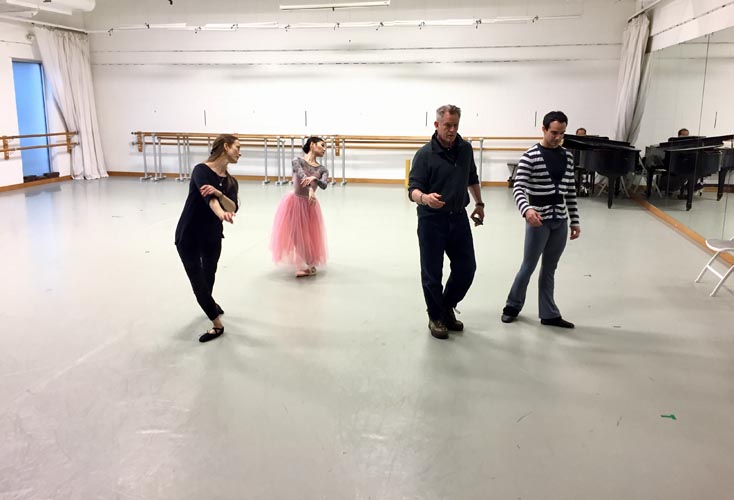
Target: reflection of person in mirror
(545,194)
(299,236)
(698,187)
(442,175)
(212,200)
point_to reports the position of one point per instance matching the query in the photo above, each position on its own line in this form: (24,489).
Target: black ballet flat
(211,336)
(559,322)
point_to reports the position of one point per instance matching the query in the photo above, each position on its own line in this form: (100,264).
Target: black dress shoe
(559,321)
(509,314)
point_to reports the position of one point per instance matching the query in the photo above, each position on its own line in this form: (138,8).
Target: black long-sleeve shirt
(198,221)
(446,171)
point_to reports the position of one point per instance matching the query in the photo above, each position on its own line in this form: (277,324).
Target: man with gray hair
(440,175)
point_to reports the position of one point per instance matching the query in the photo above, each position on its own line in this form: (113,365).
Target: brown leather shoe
(452,324)
(438,329)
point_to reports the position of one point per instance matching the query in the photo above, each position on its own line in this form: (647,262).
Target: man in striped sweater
(545,194)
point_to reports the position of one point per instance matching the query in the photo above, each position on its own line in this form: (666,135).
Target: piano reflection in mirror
(683,160)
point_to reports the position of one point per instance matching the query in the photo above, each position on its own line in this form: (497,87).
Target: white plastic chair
(718,246)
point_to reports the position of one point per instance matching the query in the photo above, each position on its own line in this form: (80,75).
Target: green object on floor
(671,416)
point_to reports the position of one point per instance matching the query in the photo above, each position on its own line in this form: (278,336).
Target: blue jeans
(548,240)
(447,233)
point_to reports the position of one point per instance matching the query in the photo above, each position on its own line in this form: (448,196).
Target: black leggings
(200,262)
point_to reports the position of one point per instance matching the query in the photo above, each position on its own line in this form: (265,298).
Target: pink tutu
(299,236)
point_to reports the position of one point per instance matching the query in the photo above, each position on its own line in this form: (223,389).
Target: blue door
(31,106)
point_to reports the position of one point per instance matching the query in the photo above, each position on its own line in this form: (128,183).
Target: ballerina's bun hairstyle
(309,141)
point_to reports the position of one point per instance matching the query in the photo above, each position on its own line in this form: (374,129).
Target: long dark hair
(218,150)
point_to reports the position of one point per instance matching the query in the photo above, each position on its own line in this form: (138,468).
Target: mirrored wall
(692,87)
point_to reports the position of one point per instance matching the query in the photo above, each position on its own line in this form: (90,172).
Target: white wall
(353,81)
(14,45)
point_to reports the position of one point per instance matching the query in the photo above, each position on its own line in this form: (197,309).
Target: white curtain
(67,67)
(632,81)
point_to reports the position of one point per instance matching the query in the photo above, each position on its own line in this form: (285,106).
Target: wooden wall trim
(681,228)
(353,180)
(51,180)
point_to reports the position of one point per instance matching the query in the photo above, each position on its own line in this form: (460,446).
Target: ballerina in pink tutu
(299,236)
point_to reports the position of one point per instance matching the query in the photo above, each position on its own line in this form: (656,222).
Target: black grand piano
(727,165)
(690,158)
(612,159)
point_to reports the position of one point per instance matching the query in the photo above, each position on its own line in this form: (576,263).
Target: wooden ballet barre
(7,148)
(335,144)
(202,143)
(42,146)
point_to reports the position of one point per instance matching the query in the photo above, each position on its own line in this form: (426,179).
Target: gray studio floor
(331,387)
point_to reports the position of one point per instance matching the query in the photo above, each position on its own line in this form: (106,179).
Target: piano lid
(694,142)
(582,142)
(696,148)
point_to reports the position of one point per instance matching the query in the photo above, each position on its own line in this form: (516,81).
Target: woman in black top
(212,199)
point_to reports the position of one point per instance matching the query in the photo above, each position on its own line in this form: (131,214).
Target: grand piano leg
(611,187)
(720,187)
(592,188)
(689,199)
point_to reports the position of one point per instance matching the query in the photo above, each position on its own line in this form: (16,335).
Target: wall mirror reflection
(686,133)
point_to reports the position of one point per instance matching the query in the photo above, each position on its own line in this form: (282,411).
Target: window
(30,104)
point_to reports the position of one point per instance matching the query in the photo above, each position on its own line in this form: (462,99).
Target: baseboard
(681,228)
(40,182)
(136,174)
(350,180)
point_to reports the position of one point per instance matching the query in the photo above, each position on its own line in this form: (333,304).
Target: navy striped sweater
(532,178)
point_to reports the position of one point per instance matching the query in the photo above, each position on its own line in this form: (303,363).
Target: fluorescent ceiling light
(220,27)
(39,6)
(145,26)
(452,22)
(265,25)
(311,25)
(236,26)
(399,24)
(345,5)
(168,26)
(356,24)
(526,19)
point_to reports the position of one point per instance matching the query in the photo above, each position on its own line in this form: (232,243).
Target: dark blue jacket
(448,172)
